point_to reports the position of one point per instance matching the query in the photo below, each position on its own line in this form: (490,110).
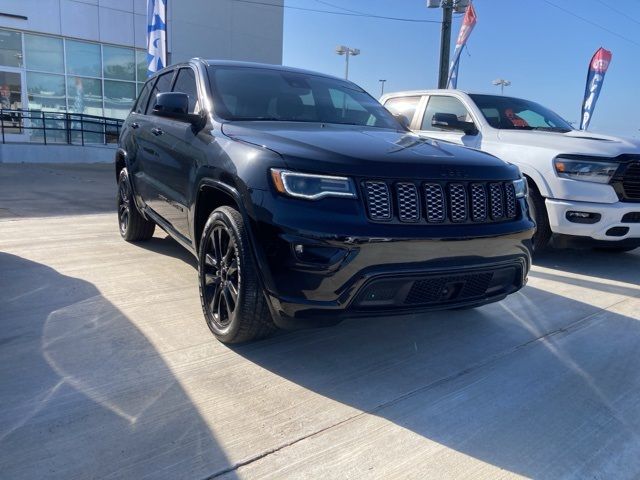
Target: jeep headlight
(310,186)
(520,187)
(586,169)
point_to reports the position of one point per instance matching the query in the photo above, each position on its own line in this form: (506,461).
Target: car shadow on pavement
(505,384)
(542,385)
(84,394)
(165,245)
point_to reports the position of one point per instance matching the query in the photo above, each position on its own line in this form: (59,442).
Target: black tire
(539,213)
(231,293)
(133,226)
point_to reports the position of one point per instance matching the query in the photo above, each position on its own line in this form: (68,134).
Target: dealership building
(89,56)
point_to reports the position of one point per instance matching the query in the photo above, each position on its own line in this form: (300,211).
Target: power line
(619,12)
(341,8)
(592,23)
(348,14)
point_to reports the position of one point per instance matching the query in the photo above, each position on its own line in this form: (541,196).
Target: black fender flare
(256,249)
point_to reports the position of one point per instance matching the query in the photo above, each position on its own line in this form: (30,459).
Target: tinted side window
(162,85)
(403,106)
(143,98)
(186,83)
(439,104)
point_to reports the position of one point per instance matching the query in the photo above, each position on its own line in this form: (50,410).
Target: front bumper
(323,262)
(612,225)
(402,292)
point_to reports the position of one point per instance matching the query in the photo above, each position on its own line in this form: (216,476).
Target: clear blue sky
(541,49)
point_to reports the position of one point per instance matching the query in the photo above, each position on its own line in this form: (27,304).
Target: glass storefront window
(11,98)
(141,65)
(10,48)
(44,53)
(118,98)
(83,58)
(46,92)
(119,63)
(84,95)
(77,76)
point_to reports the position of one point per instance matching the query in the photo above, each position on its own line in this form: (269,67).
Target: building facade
(89,56)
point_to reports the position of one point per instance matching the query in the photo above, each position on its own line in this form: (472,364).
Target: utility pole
(448,7)
(445,44)
(382,86)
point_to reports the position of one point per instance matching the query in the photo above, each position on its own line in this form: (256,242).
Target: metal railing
(20,125)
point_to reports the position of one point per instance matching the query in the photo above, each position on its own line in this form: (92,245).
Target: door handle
(135,125)
(156,131)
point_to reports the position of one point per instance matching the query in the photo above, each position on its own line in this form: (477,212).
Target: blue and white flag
(156,35)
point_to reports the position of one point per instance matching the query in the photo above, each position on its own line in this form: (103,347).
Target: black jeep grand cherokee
(306,201)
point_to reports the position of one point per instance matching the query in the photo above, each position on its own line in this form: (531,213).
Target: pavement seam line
(472,368)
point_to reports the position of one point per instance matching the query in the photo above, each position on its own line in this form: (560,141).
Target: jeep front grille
(378,200)
(434,203)
(478,202)
(439,202)
(408,204)
(458,202)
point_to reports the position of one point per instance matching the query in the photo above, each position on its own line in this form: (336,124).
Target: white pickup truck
(584,188)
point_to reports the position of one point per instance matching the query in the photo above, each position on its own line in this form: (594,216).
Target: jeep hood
(573,142)
(368,152)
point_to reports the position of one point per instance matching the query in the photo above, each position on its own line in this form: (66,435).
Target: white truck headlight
(310,186)
(586,169)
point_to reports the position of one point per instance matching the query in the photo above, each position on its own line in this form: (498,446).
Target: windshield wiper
(346,123)
(252,119)
(551,129)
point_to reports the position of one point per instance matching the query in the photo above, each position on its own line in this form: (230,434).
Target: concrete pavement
(107,369)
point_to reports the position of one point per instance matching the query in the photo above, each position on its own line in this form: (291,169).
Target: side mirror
(176,105)
(402,119)
(448,121)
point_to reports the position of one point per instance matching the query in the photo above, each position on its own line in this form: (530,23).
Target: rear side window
(143,98)
(406,106)
(186,83)
(162,85)
(441,104)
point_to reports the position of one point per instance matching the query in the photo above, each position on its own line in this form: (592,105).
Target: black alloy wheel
(124,206)
(132,225)
(221,276)
(231,293)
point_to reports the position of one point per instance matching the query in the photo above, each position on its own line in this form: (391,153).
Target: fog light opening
(617,231)
(582,217)
(317,254)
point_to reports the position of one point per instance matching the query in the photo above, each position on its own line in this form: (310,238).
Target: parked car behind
(305,201)
(584,187)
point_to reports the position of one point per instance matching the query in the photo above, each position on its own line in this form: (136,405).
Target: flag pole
(166,32)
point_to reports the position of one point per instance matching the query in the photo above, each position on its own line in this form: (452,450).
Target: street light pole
(346,67)
(382,86)
(347,52)
(503,83)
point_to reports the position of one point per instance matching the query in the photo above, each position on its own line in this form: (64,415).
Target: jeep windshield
(507,113)
(263,94)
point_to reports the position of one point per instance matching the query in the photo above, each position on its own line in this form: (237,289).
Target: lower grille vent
(458,287)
